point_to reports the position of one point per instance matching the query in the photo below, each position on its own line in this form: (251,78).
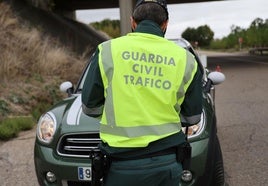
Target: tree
(190,34)
(203,35)
(258,23)
(258,32)
(110,27)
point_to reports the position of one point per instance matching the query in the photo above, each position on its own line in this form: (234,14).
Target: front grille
(78,145)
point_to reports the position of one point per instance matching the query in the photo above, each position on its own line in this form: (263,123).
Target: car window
(186,45)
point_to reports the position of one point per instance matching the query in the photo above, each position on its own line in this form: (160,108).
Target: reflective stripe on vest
(188,75)
(131,131)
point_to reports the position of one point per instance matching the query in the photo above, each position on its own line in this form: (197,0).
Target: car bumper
(66,169)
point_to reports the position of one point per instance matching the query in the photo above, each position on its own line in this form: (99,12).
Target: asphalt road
(242,114)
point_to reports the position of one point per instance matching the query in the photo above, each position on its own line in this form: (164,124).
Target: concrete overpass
(126,7)
(68,7)
(96,4)
(50,16)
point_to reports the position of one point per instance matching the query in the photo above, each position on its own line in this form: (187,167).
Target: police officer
(144,88)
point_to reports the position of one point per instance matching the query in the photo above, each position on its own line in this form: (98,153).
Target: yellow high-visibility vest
(145,78)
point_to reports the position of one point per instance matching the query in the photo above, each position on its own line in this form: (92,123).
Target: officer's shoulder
(113,40)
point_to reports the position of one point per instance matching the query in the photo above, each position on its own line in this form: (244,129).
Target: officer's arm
(191,107)
(93,92)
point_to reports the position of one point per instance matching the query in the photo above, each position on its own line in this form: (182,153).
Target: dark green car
(66,138)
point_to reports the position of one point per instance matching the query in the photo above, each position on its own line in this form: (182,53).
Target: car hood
(70,117)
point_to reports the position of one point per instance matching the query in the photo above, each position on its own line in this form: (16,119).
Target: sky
(218,15)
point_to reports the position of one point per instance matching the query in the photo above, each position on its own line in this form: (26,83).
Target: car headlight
(196,129)
(46,127)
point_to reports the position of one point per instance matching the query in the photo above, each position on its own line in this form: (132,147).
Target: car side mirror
(216,77)
(67,87)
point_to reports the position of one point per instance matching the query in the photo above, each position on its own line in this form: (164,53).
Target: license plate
(84,173)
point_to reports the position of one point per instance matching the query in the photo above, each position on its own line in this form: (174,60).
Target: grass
(32,66)
(10,127)
(26,52)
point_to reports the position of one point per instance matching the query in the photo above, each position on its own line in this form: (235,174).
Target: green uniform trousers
(156,171)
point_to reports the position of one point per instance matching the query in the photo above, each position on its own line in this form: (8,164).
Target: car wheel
(218,169)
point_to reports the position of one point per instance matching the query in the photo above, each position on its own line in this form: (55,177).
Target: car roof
(182,42)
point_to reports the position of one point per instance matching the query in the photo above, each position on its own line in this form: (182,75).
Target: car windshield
(82,79)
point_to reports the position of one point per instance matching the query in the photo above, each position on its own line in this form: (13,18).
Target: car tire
(218,169)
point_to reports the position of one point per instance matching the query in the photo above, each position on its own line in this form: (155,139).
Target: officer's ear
(133,23)
(164,26)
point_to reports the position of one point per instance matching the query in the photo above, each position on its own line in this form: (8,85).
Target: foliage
(254,36)
(43,101)
(257,33)
(4,110)
(110,27)
(39,109)
(190,34)
(10,127)
(203,35)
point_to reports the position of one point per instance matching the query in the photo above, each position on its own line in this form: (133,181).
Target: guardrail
(258,50)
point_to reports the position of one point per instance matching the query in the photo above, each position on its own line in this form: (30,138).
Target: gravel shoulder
(16,160)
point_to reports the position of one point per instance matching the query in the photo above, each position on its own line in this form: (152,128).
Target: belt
(168,151)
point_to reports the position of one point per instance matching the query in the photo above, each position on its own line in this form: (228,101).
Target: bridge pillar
(126,9)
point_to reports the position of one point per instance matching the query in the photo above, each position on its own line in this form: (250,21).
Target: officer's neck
(149,27)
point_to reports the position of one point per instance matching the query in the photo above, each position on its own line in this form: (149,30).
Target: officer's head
(154,10)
